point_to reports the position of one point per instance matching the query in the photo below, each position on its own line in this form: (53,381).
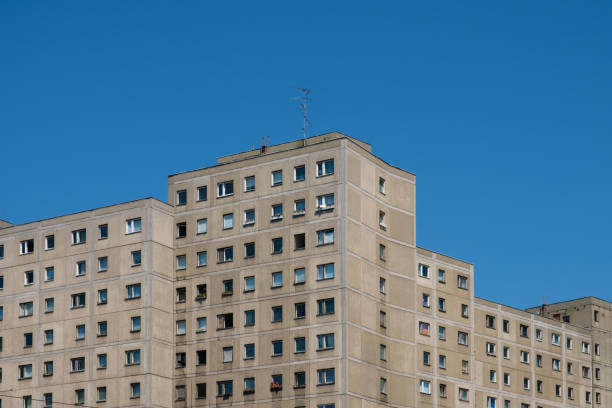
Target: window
(249,283)
(325,306)
(277,279)
(277,178)
(462,282)
(228,221)
(299,173)
(79,396)
(181,229)
(135,323)
(597,398)
(569,343)
(381,220)
(47,399)
(570,368)
(382,285)
(181,327)
(585,347)
(1,313)
(48,336)
(133,225)
(181,360)
(556,364)
(249,351)
(506,352)
(202,258)
(225,189)
(462,338)
(587,397)
(224,388)
(132,291)
(181,197)
(464,311)
(441,276)
(249,385)
(325,271)
(77,300)
(383,386)
(77,364)
(424,387)
(28,278)
(506,378)
(79,236)
(524,356)
(300,275)
(102,264)
(132,357)
(26,309)
(325,341)
(426,358)
(27,340)
(424,328)
(382,184)
(1,282)
(596,349)
(383,352)
(249,317)
(325,237)
(506,326)
(326,376)
(442,390)
(181,294)
(441,333)
(277,245)
(249,183)
(228,287)
(277,314)
(490,322)
(25,247)
(249,250)
(277,348)
(491,402)
(202,193)
(300,379)
(423,271)
(102,361)
(556,339)
(325,167)
(249,217)
(200,324)
(524,331)
(200,357)
(325,202)
(300,344)
(586,372)
(27,401)
(80,332)
(382,252)
(1,251)
(225,321)
(49,242)
(225,254)
(382,319)
(49,274)
(101,391)
(136,258)
(526,383)
(299,241)
(103,231)
(426,298)
(570,393)
(277,382)
(102,328)
(25,371)
(465,367)
(299,207)
(202,226)
(491,349)
(538,360)
(300,310)
(596,315)
(180,392)
(492,376)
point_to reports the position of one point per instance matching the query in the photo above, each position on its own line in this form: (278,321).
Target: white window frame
(222,188)
(323,167)
(133,225)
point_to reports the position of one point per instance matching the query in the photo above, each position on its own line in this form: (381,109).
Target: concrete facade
(287,276)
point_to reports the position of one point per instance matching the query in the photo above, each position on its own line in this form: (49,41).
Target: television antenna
(303,106)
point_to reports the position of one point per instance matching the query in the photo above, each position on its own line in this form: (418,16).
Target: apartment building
(286,276)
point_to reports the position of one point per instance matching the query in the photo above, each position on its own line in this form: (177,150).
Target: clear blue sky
(502,109)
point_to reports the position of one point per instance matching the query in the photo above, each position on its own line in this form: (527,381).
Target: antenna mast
(303,105)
